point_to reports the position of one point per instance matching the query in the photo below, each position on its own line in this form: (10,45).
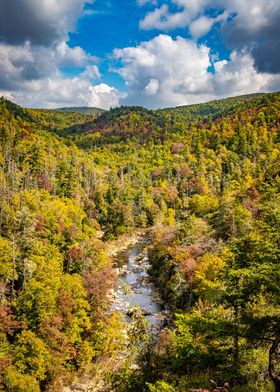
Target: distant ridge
(235,98)
(217,107)
(82,110)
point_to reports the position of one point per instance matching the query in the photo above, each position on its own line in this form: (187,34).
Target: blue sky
(155,53)
(111,24)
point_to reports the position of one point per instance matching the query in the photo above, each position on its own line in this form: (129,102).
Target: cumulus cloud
(252,16)
(252,25)
(40,22)
(203,24)
(152,87)
(57,91)
(104,96)
(247,16)
(166,72)
(162,18)
(20,63)
(238,76)
(91,72)
(30,75)
(33,39)
(256,26)
(70,57)
(50,92)
(33,48)
(159,72)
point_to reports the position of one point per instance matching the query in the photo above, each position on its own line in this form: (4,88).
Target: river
(135,288)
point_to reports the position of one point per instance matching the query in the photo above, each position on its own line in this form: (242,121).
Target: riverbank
(134,292)
(114,247)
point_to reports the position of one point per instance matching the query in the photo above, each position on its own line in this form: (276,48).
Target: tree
(31,356)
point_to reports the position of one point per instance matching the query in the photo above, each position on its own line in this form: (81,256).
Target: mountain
(83,110)
(202,182)
(217,107)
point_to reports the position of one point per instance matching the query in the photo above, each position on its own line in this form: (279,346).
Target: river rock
(134,311)
(80,387)
(145,312)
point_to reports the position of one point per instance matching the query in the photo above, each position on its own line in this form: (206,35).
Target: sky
(153,53)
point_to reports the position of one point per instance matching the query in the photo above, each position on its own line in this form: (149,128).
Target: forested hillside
(204,180)
(83,110)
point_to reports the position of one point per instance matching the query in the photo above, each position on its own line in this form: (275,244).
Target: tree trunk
(236,342)
(14,272)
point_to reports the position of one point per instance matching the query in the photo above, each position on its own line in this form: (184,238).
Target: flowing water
(135,289)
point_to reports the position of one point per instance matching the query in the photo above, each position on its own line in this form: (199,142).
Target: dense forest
(203,182)
(83,110)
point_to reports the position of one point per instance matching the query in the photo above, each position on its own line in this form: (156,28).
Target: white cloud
(32,54)
(163,19)
(203,24)
(248,15)
(252,25)
(152,87)
(30,59)
(252,15)
(71,57)
(238,76)
(168,72)
(51,92)
(30,76)
(57,91)
(19,63)
(104,96)
(160,71)
(91,72)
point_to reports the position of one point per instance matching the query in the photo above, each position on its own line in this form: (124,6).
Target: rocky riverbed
(136,291)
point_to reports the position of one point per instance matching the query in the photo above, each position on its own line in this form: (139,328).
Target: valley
(139,249)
